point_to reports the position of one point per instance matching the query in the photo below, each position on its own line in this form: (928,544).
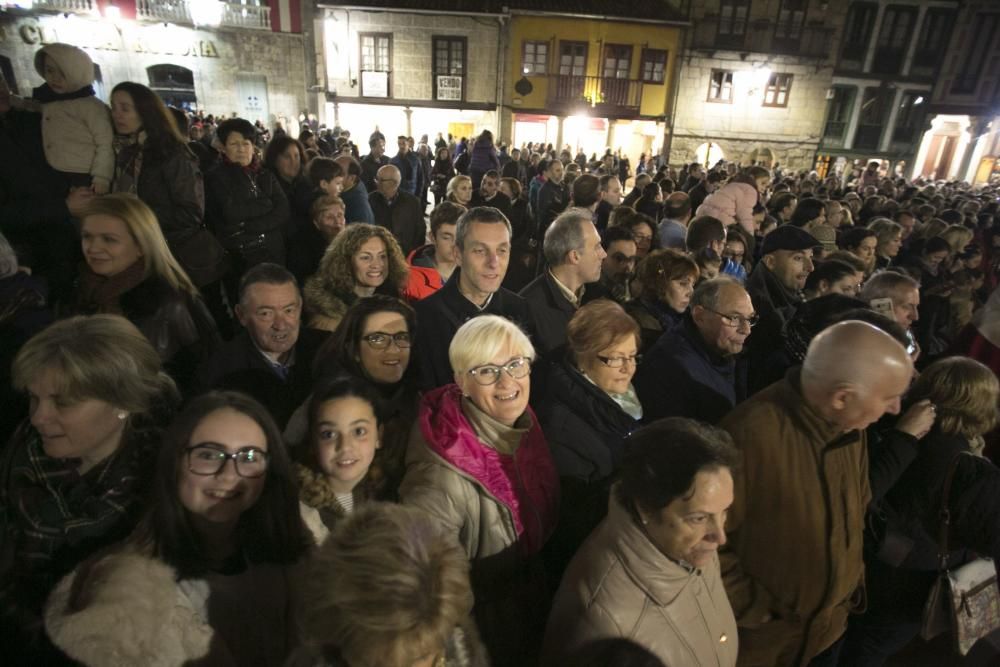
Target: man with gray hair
(792,565)
(694,370)
(574,255)
(902,290)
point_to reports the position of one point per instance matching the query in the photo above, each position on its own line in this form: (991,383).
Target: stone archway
(761,156)
(709,153)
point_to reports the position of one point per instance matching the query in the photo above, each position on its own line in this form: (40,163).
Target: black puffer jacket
(248,212)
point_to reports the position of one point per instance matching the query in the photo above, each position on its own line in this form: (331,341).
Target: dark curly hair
(336,269)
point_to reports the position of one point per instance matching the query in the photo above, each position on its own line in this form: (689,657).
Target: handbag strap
(945,515)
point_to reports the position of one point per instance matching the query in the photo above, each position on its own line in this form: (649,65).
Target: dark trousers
(871,640)
(830,657)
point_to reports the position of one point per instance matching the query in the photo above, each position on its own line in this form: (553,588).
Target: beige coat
(77,133)
(619,585)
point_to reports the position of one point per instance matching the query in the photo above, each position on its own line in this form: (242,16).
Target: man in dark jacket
(271,358)
(408,164)
(611,198)
(489,194)
(353,192)
(552,197)
(574,254)
(371,163)
(482,240)
(516,168)
(775,286)
(693,370)
(398,211)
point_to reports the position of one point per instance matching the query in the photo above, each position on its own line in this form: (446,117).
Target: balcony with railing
(608,96)
(763,36)
(74,6)
(203,12)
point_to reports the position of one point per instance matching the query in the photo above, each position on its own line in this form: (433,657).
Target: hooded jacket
(423,279)
(76,132)
(620,586)
(732,204)
(795,528)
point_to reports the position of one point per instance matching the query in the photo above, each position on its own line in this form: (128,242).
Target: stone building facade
(409,72)
(249,70)
(753,82)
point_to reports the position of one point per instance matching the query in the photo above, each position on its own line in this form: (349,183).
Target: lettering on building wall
(106,38)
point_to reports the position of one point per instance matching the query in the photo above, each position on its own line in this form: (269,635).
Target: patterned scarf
(128,161)
(100,294)
(54,516)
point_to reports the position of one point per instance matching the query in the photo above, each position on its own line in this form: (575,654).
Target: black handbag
(202,257)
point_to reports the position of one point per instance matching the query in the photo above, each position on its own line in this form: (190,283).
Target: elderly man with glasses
(695,369)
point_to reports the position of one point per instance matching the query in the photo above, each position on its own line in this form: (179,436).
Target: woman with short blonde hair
(391,587)
(361,261)
(459,190)
(889,238)
(479,464)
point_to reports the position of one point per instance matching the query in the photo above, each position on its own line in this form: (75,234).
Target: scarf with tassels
(128,161)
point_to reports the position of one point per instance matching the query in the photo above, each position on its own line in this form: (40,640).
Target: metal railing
(606,93)
(234,15)
(763,36)
(75,6)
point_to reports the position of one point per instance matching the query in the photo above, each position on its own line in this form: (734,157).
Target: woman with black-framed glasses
(479,464)
(205,578)
(373,343)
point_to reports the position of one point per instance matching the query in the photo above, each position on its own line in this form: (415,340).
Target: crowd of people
(270,402)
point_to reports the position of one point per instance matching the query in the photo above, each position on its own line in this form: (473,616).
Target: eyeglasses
(488,374)
(737,321)
(210,460)
(618,362)
(379,340)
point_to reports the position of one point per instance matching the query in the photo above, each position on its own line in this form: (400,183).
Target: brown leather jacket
(795,527)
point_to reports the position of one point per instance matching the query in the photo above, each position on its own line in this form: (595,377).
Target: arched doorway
(174,84)
(709,153)
(763,157)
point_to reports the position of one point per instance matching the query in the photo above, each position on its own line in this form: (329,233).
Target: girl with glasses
(205,576)
(479,464)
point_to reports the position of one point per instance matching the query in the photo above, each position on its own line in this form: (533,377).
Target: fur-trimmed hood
(323,301)
(127,609)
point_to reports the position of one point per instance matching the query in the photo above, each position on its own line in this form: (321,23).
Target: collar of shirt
(571,296)
(280,369)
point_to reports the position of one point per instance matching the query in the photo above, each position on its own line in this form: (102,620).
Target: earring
(122,415)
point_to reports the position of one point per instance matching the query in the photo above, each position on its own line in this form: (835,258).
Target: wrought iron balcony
(606,95)
(233,15)
(763,36)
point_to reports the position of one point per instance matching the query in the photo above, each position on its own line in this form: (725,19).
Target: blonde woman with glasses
(479,464)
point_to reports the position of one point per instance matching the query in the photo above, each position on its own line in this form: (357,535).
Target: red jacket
(424,280)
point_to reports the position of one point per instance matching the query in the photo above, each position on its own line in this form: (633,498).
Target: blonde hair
(322,204)
(387,587)
(145,230)
(104,357)
(453,183)
(957,236)
(482,338)
(885,230)
(964,392)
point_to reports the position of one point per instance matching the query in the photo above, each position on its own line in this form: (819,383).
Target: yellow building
(591,82)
